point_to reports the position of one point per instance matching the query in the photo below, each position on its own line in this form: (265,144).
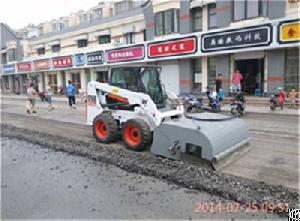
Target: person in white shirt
(31,94)
(49,93)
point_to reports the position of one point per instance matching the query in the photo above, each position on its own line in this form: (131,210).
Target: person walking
(49,94)
(219,82)
(293,97)
(236,81)
(70,91)
(31,94)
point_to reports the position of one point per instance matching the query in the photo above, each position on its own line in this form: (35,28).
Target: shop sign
(289,31)
(41,64)
(255,36)
(79,59)
(176,47)
(62,62)
(125,54)
(9,69)
(24,67)
(95,57)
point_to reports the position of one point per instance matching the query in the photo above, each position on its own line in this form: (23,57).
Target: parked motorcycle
(213,102)
(192,103)
(238,105)
(274,102)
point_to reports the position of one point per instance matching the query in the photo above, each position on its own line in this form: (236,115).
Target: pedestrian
(70,91)
(236,81)
(293,97)
(281,98)
(219,82)
(221,96)
(31,94)
(49,94)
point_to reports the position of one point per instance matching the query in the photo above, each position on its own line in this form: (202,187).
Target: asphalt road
(39,183)
(274,157)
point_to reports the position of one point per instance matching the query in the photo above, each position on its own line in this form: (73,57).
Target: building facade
(192,41)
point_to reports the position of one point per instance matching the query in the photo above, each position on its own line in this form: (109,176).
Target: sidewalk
(249,108)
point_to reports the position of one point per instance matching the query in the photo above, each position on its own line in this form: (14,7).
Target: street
(38,183)
(274,157)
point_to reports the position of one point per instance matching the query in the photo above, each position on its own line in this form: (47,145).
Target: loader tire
(136,134)
(105,128)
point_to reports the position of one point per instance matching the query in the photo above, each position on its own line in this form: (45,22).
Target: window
(145,35)
(244,9)
(56,48)
(104,39)
(212,16)
(84,18)
(197,19)
(129,38)
(41,30)
(123,6)
(64,24)
(166,22)
(11,55)
(212,72)
(55,26)
(197,75)
(292,69)
(41,51)
(97,13)
(82,43)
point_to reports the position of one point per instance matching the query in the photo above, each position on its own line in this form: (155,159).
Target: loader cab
(143,79)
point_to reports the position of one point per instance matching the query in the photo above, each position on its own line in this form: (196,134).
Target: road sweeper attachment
(135,105)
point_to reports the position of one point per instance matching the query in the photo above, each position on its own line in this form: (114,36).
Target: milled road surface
(39,183)
(274,157)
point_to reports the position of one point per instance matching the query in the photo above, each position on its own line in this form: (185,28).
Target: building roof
(123,15)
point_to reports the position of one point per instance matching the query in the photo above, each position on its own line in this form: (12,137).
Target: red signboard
(62,62)
(174,47)
(125,54)
(41,64)
(23,67)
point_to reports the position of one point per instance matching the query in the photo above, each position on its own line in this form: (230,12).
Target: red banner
(172,48)
(41,64)
(23,67)
(62,62)
(125,54)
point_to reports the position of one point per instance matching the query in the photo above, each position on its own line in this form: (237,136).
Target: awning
(102,32)
(51,43)
(39,46)
(128,29)
(81,37)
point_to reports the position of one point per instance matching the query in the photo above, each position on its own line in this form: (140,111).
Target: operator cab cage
(145,79)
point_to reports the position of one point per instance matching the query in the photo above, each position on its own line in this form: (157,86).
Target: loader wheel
(136,134)
(105,128)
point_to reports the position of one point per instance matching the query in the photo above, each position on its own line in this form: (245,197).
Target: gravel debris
(230,187)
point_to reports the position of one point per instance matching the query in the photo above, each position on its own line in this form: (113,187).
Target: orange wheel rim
(101,129)
(132,135)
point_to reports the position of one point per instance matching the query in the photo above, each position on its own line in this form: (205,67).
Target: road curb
(230,187)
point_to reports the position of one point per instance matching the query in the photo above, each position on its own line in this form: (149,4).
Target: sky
(19,13)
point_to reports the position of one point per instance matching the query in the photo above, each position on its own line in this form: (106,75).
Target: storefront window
(197,75)
(104,39)
(197,19)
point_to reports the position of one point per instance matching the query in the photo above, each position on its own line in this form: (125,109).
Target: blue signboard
(95,57)
(9,69)
(79,59)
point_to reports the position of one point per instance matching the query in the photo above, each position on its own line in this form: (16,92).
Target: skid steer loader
(135,106)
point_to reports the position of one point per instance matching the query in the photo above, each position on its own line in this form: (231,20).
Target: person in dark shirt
(219,82)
